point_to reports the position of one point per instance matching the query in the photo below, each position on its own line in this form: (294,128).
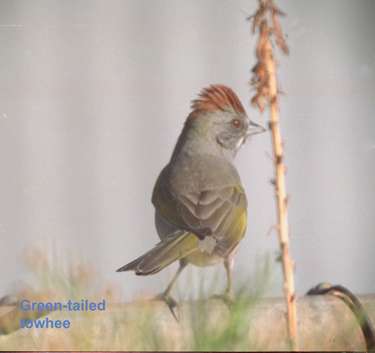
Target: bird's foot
(171,303)
(227,297)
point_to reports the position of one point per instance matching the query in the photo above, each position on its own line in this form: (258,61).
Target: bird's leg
(228,264)
(228,295)
(166,297)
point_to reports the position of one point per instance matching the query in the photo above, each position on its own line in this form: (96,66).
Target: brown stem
(281,198)
(265,82)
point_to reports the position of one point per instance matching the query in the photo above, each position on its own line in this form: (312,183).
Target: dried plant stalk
(266,21)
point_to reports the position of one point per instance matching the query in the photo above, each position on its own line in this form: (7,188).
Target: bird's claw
(226,297)
(171,303)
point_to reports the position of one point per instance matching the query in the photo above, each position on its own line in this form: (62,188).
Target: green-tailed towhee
(200,204)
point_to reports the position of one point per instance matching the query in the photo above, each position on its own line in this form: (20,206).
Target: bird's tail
(170,249)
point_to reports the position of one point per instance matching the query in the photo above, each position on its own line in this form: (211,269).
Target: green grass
(206,324)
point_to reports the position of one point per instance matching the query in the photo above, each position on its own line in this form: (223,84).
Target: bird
(200,202)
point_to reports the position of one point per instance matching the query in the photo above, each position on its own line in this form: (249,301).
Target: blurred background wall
(93,96)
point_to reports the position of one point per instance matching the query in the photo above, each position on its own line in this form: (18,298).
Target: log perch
(324,323)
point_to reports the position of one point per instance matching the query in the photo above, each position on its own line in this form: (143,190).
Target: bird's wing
(209,212)
(218,212)
(194,198)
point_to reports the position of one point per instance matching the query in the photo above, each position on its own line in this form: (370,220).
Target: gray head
(218,123)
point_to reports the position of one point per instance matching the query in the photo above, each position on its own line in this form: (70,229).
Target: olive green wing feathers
(219,211)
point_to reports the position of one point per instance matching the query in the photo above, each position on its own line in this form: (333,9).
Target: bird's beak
(254,129)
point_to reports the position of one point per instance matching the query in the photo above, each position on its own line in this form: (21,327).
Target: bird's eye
(236,123)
